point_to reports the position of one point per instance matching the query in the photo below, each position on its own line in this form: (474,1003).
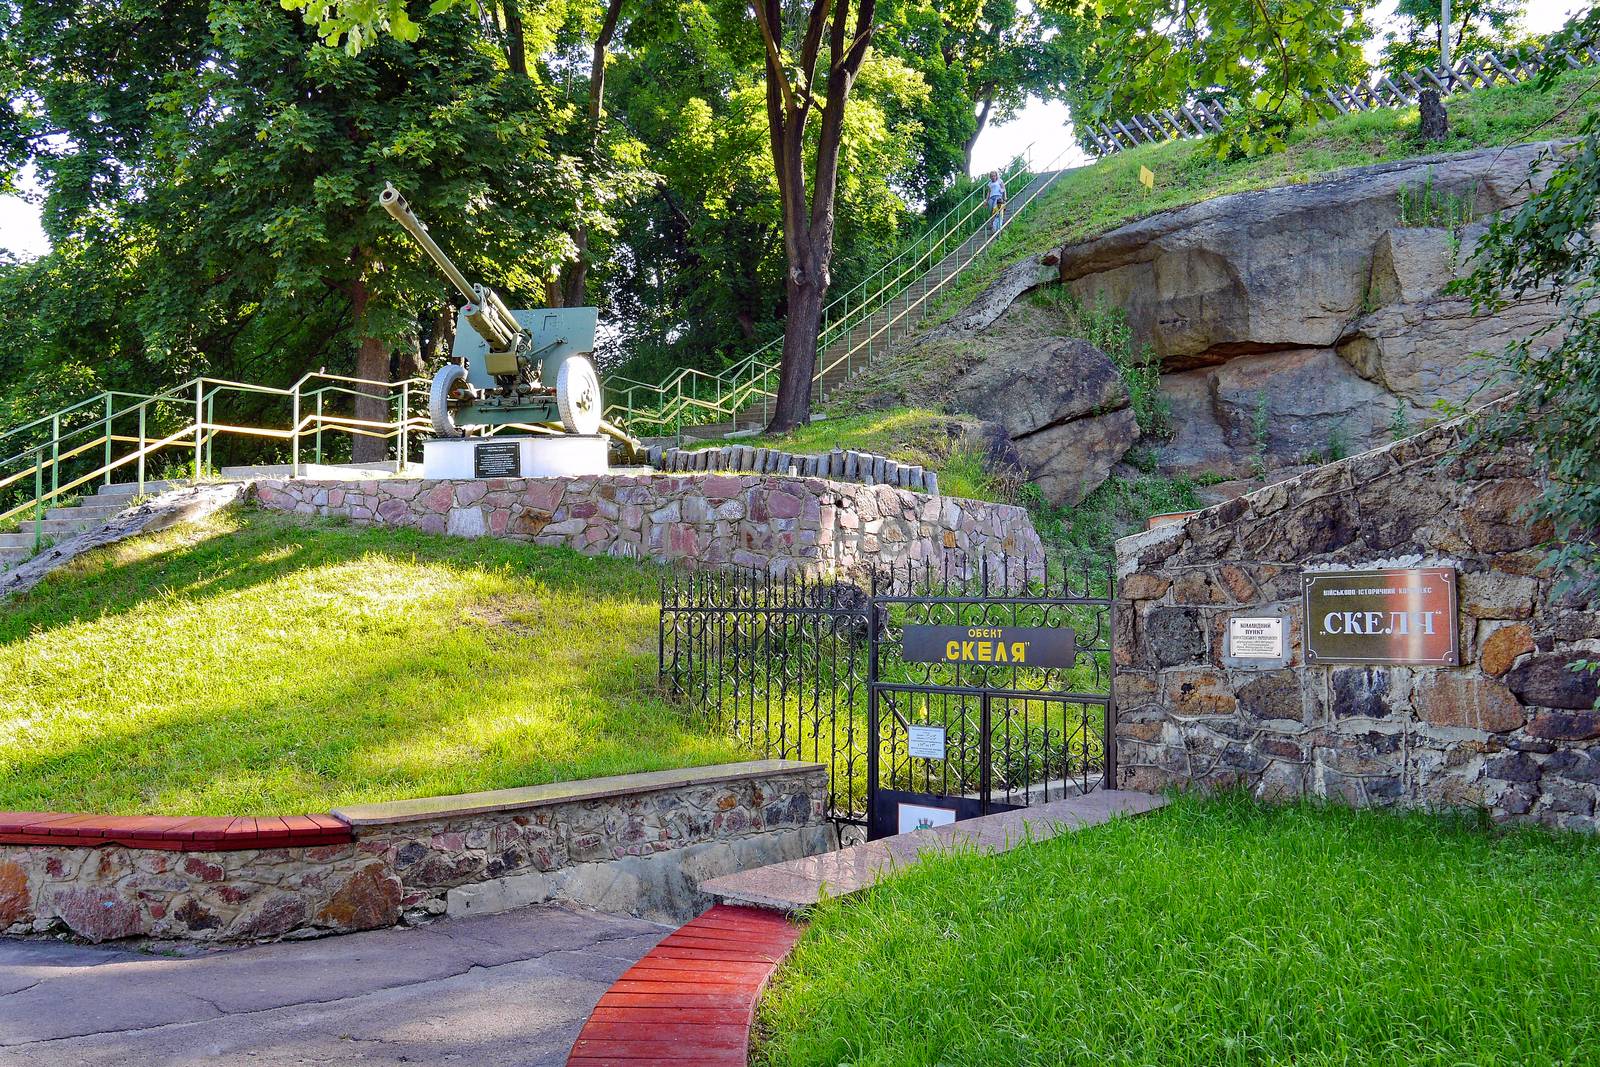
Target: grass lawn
(256,665)
(1107,194)
(1214,932)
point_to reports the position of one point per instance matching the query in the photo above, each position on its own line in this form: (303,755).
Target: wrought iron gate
(885,683)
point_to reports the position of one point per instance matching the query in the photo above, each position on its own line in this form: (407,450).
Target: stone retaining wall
(777,523)
(637,844)
(1511,730)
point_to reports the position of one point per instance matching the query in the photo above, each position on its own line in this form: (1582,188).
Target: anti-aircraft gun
(525,368)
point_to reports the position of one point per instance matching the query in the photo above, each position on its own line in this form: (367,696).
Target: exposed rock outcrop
(1311,321)
(1283,268)
(1062,403)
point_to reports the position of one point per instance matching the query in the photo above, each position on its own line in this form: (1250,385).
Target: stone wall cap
(423,809)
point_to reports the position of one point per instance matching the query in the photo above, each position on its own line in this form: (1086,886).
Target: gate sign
(925,742)
(1006,646)
(1394,616)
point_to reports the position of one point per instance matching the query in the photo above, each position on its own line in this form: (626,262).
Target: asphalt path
(501,989)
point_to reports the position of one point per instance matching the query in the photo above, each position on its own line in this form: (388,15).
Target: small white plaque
(925,742)
(1258,638)
(922,816)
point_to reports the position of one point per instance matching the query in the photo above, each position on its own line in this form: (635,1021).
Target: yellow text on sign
(985,648)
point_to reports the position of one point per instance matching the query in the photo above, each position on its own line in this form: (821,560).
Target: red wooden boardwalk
(692,998)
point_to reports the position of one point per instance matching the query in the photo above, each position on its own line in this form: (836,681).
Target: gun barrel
(396,205)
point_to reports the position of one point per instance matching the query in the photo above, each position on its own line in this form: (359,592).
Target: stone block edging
(634,844)
(521,798)
(768,522)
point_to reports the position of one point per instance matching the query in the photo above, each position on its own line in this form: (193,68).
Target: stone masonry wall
(1511,729)
(635,843)
(770,522)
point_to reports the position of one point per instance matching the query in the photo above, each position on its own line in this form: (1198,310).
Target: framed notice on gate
(1382,616)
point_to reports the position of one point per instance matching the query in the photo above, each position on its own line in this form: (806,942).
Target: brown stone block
(1193,693)
(1236,580)
(1494,519)
(1548,681)
(1143,586)
(1197,587)
(1460,698)
(370,898)
(1492,595)
(15,901)
(1499,650)
(1566,725)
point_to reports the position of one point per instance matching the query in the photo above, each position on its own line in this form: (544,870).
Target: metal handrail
(735,382)
(46,459)
(754,383)
(690,397)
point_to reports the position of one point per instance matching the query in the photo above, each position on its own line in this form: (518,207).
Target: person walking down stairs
(997,201)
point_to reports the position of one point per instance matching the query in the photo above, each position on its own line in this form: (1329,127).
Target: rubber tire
(578,395)
(444,383)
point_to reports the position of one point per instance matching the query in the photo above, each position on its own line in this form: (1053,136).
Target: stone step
(21,539)
(10,557)
(89,514)
(128,489)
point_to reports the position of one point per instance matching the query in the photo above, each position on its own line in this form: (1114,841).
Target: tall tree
(793,89)
(1269,63)
(238,200)
(984,60)
(1476,26)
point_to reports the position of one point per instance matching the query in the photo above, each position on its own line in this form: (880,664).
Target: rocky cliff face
(1306,322)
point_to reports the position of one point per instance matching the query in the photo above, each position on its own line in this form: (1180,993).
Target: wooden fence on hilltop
(1206,117)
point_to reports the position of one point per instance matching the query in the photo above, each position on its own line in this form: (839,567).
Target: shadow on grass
(267,547)
(329,737)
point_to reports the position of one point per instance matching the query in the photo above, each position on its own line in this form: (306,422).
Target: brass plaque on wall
(1387,616)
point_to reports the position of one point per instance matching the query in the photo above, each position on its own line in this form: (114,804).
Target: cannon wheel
(578,395)
(444,383)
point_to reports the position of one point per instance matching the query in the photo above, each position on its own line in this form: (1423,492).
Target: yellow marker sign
(1147,178)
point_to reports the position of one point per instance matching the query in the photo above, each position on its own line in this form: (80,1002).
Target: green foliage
(1218,931)
(1268,64)
(303,666)
(1426,205)
(222,217)
(1399,421)
(1548,246)
(1476,27)
(1258,434)
(1106,327)
(1085,532)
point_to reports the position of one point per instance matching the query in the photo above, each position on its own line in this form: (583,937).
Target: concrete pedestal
(567,455)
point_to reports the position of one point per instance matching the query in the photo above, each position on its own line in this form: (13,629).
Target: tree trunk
(792,407)
(808,219)
(575,275)
(372,363)
(972,142)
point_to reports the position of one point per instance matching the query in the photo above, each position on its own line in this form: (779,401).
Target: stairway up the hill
(894,321)
(87,512)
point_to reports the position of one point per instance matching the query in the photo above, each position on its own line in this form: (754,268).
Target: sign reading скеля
(1008,646)
(1388,616)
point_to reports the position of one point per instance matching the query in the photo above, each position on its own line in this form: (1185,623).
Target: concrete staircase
(63,522)
(894,321)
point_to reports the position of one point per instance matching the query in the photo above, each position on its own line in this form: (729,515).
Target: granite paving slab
(795,885)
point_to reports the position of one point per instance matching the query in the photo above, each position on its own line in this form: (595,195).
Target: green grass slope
(1107,194)
(255,665)
(1214,932)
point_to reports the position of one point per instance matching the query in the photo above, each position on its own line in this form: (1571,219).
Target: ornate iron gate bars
(815,669)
